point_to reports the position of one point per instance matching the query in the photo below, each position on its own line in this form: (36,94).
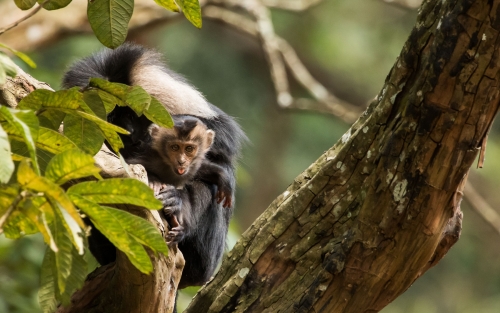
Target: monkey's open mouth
(181,170)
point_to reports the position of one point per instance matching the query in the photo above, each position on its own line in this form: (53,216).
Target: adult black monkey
(205,234)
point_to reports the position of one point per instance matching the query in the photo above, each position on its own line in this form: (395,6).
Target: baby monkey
(182,151)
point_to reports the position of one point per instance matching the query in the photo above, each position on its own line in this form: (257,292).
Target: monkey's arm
(215,174)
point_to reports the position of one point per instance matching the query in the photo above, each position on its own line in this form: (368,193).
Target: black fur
(206,221)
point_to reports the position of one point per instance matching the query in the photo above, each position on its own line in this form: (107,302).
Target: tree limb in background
(291,5)
(482,207)
(324,102)
(24,18)
(46,27)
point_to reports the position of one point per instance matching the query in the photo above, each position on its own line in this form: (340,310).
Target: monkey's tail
(113,65)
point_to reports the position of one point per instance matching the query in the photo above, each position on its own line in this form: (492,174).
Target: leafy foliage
(35,198)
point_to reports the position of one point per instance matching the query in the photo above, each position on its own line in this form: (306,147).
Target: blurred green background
(349,46)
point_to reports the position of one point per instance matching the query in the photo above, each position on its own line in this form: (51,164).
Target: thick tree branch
(380,207)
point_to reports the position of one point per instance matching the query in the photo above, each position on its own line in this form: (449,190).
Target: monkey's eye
(174,147)
(189,149)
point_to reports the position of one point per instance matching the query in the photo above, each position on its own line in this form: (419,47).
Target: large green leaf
(157,114)
(141,230)
(74,274)
(168,4)
(51,118)
(191,10)
(18,224)
(40,213)
(133,96)
(94,103)
(109,20)
(76,277)
(109,224)
(84,133)
(71,164)
(25,4)
(24,124)
(117,190)
(6,163)
(52,141)
(46,99)
(62,256)
(54,4)
(20,151)
(47,291)
(138,99)
(109,101)
(8,194)
(28,179)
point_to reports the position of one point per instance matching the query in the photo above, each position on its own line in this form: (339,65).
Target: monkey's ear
(209,139)
(153,129)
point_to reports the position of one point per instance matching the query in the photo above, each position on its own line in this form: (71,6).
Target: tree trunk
(381,207)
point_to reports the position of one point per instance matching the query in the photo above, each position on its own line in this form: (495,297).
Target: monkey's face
(182,156)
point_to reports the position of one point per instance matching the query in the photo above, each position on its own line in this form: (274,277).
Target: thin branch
(291,5)
(33,12)
(325,102)
(404,4)
(482,207)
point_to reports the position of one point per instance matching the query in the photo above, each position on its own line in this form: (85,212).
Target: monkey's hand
(224,194)
(156,186)
(176,233)
(171,199)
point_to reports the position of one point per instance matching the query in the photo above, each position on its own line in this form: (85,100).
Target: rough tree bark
(381,207)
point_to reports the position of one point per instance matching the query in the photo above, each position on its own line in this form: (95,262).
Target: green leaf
(25,4)
(8,194)
(191,10)
(63,254)
(71,164)
(168,4)
(21,55)
(117,190)
(157,114)
(109,100)
(48,140)
(7,67)
(46,99)
(110,225)
(54,4)
(25,124)
(133,96)
(20,152)
(115,89)
(18,224)
(84,133)
(94,102)
(28,179)
(138,99)
(53,142)
(6,163)
(40,213)
(51,118)
(76,277)
(142,230)
(47,291)
(109,20)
